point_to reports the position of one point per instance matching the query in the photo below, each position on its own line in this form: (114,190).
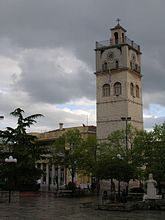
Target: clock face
(110,55)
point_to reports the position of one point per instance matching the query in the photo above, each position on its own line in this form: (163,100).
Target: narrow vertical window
(106,90)
(116,38)
(132,89)
(137,91)
(117,64)
(122,37)
(133,61)
(131,66)
(117,88)
(104,66)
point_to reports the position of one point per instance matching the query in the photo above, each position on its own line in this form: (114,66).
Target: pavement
(45,206)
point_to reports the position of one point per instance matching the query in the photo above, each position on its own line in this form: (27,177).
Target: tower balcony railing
(114,42)
(114,67)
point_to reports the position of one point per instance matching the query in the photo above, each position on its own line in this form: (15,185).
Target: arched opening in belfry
(116,37)
(122,37)
(117,64)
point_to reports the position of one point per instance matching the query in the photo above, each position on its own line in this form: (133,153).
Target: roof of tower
(118,26)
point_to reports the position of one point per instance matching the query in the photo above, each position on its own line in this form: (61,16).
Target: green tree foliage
(142,153)
(66,151)
(145,153)
(109,168)
(74,153)
(149,151)
(88,155)
(21,145)
(116,143)
(114,159)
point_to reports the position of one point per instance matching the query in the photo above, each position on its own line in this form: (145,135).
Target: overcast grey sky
(47,57)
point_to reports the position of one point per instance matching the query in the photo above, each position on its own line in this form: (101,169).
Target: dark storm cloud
(75,25)
(55,76)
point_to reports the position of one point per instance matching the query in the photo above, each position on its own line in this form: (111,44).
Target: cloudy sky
(47,57)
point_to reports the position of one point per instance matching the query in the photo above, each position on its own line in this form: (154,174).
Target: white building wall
(111,109)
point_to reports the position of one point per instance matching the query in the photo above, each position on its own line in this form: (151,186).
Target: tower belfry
(118,83)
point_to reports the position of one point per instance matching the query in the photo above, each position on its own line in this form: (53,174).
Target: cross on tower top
(118,20)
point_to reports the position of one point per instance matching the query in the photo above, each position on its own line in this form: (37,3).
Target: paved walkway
(44,206)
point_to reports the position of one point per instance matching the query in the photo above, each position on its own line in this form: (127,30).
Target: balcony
(113,42)
(114,67)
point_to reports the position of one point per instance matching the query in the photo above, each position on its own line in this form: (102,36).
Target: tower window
(117,88)
(136,67)
(122,37)
(131,65)
(117,64)
(104,66)
(133,62)
(137,91)
(132,89)
(106,90)
(116,37)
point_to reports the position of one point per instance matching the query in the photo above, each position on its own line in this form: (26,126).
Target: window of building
(106,90)
(133,62)
(132,89)
(122,37)
(137,91)
(116,37)
(117,64)
(136,67)
(131,66)
(117,88)
(104,66)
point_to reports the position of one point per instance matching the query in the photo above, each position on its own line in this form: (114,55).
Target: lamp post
(119,157)
(126,119)
(10,160)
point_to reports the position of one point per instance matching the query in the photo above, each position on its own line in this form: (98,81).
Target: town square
(82,117)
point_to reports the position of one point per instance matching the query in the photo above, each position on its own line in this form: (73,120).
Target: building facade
(118,83)
(58,175)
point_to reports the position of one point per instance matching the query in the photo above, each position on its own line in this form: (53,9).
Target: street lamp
(10,160)
(119,157)
(126,119)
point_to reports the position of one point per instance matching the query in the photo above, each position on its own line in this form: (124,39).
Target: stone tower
(118,83)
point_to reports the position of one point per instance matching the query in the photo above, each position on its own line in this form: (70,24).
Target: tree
(87,156)
(22,146)
(149,151)
(114,159)
(66,151)
(117,141)
(114,168)
(142,152)
(74,153)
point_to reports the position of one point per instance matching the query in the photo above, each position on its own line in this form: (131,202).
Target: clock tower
(118,83)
